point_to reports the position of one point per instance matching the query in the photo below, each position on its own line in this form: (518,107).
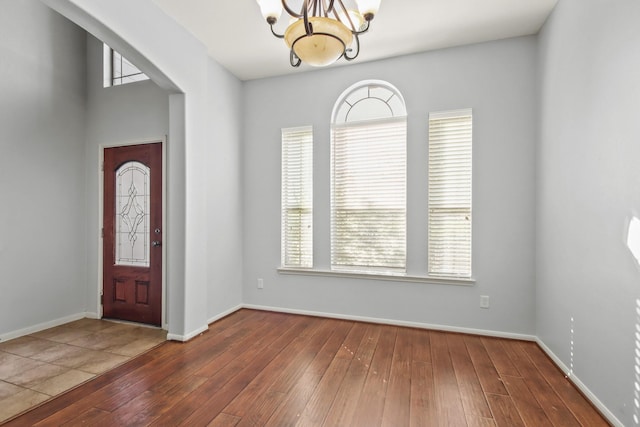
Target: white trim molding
(580,385)
(225,313)
(191,335)
(382,276)
(187,337)
(419,325)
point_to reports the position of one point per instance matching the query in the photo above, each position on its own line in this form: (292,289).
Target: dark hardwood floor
(271,369)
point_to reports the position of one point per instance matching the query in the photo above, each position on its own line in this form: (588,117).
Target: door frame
(165,234)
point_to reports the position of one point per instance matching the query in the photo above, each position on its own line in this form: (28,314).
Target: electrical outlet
(484,301)
(260,284)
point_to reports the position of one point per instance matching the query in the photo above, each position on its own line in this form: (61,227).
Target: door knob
(156,243)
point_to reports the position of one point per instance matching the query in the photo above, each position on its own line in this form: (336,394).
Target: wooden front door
(132,234)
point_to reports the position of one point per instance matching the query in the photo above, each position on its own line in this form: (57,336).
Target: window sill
(378,276)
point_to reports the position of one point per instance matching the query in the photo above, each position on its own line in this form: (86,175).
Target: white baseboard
(193,334)
(583,388)
(187,337)
(41,327)
(225,313)
(393,322)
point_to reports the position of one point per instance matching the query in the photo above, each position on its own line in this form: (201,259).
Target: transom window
(368,180)
(118,70)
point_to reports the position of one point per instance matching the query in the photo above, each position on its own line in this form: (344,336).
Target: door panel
(132,242)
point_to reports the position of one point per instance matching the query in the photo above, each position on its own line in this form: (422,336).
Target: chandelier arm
(294,60)
(280,36)
(349,22)
(331,6)
(364,30)
(286,7)
(346,51)
(308,28)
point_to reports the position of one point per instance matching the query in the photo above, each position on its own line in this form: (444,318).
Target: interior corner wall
(42,116)
(135,112)
(497,80)
(588,192)
(223,191)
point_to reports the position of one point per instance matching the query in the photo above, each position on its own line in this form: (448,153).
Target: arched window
(368,179)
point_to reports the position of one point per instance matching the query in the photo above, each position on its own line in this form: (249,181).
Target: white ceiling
(237,36)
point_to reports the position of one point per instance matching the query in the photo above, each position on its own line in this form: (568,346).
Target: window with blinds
(450,161)
(368,196)
(297,197)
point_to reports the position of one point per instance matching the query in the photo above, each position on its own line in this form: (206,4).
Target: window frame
(450,214)
(354,243)
(109,78)
(299,181)
(409,274)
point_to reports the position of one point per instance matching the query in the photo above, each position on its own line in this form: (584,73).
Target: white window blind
(450,160)
(297,197)
(368,196)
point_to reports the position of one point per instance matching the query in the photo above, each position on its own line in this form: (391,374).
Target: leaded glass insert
(133,197)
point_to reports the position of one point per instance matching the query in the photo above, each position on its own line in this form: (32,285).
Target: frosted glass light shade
(356,18)
(318,49)
(368,6)
(270,8)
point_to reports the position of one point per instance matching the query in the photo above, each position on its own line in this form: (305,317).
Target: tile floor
(36,367)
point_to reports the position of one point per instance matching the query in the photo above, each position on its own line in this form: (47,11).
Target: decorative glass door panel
(132,200)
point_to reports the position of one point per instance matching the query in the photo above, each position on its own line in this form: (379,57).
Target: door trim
(165,232)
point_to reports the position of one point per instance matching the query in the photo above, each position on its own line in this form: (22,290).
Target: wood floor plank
(504,411)
(292,407)
(299,395)
(584,412)
(544,394)
(224,420)
(351,343)
(217,383)
(450,411)
(370,407)
(320,402)
(151,404)
(283,370)
(526,404)
(232,345)
(241,373)
(487,373)
(296,359)
(473,398)
(422,409)
(397,403)
(92,417)
(420,345)
(345,403)
(261,411)
(499,357)
(276,369)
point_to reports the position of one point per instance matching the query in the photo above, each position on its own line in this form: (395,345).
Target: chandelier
(321,31)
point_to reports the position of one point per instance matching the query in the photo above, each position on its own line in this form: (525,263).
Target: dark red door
(132,281)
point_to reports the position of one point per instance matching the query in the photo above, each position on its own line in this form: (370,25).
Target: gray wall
(134,112)
(223,157)
(588,190)
(497,80)
(42,217)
